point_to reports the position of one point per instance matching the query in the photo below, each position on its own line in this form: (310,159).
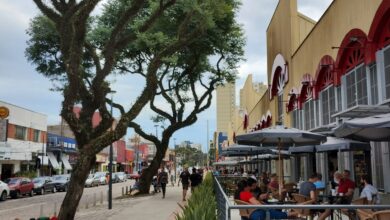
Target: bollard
(127,190)
(94,199)
(55,209)
(101,197)
(86,202)
(41,211)
(123,191)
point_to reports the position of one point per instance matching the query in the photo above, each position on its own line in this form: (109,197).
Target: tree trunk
(147,174)
(76,187)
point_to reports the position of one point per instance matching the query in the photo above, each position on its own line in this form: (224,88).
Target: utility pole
(208,145)
(156,126)
(111,161)
(174,147)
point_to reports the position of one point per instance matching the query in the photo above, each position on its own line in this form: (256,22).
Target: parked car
(134,176)
(61,182)
(4,191)
(44,184)
(121,176)
(91,181)
(20,186)
(115,178)
(100,178)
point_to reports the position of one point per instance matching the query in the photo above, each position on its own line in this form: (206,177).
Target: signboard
(3,130)
(4,112)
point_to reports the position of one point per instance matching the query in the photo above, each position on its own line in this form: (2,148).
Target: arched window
(308,104)
(379,37)
(352,70)
(325,90)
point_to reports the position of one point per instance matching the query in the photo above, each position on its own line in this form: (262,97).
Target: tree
(186,84)
(189,156)
(79,52)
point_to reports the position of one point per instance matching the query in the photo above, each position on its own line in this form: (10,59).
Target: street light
(111,159)
(156,126)
(174,147)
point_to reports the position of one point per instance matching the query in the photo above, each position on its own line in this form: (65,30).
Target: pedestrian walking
(163,180)
(185,181)
(172,179)
(195,179)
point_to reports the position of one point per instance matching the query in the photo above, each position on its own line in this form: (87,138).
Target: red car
(20,186)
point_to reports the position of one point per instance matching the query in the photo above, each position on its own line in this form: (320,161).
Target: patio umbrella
(237,150)
(282,137)
(302,149)
(342,144)
(373,128)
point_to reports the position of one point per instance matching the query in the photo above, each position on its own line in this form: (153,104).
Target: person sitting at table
(264,179)
(319,184)
(255,190)
(345,191)
(369,191)
(273,185)
(308,188)
(243,193)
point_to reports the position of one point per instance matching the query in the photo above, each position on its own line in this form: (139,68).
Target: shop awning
(53,160)
(342,144)
(226,163)
(66,163)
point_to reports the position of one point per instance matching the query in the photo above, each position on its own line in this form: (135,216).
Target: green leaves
(202,204)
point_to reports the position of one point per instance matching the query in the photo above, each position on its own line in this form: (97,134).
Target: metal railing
(224,206)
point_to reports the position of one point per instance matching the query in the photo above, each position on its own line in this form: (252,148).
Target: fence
(224,206)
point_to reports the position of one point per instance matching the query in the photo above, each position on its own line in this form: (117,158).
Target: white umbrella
(374,128)
(281,136)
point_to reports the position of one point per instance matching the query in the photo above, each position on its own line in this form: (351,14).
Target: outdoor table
(331,200)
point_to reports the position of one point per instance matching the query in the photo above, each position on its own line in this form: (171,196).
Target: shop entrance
(332,163)
(6,171)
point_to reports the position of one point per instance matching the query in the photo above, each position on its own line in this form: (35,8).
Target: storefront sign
(4,112)
(101,158)
(3,130)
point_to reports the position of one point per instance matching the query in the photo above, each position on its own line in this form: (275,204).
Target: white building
(25,138)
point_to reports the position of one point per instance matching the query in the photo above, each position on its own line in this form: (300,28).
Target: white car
(4,191)
(100,177)
(89,182)
(121,176)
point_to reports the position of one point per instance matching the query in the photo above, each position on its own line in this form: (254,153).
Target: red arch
(275,81)
(292,101)
(379,33)
(351,52)
(325,75)
(307,85)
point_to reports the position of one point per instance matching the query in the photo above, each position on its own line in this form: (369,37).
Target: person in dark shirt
(195,179)
(163,180)
(308,188)
(185,181)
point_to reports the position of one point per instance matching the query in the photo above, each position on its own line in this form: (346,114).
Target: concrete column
(16,166)
(386,164)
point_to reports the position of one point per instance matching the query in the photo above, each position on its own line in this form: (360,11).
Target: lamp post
(174,147)
(111,161)
(156,126)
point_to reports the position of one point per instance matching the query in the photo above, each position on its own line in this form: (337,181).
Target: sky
(21,85)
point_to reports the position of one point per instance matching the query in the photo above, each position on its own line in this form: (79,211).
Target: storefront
(323,73)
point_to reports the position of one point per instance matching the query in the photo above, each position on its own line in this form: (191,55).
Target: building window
(328,105)
(356,87)
(374,85)
(280,108)
(309,114)
(36,136)
(387,72)
(295,118)
(20,132)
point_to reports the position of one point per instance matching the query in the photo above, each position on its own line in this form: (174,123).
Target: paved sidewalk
(144,208)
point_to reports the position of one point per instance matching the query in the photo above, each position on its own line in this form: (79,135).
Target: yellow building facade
(322,73)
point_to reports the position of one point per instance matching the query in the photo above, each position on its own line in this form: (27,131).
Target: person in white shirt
(369,191)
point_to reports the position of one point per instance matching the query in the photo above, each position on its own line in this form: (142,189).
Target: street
(27,207)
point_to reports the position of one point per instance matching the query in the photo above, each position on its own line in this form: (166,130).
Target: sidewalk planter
(202,203)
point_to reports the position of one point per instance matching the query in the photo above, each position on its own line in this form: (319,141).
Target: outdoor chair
(303,200)
(290,187)
(381,215)
(351,213)
(244,213)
